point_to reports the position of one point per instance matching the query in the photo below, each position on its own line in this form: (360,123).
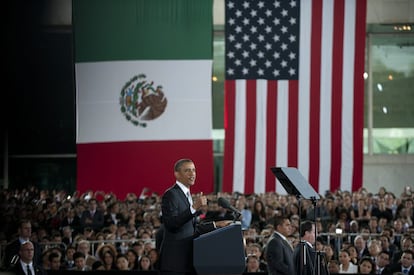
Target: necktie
(190,199)
(29,272)
(405,271)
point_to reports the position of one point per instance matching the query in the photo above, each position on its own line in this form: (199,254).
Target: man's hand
(200,201)
(223,223)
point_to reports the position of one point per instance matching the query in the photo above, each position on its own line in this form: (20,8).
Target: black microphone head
(223,203)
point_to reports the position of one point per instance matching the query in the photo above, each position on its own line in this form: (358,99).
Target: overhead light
(379,87)
(385,110)
(365,75)
(403,28)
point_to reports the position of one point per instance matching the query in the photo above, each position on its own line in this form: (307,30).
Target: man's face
(93,205)
(80,262)
(84,248)
(333,268)
(26,252)
(310,235)
(285,228)
(26,230)
(383,260)
(186,174)
(407,260)
(359,244)
(69,253)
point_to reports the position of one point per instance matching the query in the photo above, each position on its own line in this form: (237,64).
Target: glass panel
(218,80)
(392,61)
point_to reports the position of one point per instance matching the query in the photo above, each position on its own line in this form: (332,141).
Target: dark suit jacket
(108,219)
(179,227)
(13,248)
(17,269)
(304,265)
(279,256)
(75,224)
(390,269)
(97,220)
(307,266)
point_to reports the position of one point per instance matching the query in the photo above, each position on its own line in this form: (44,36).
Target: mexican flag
(143,90)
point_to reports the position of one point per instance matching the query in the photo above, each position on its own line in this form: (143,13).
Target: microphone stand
(318,254)
(302,245)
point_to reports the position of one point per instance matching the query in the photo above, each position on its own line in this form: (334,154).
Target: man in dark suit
(92,217)
(72,220)
(305,256)
(405,266)
(25,265)
(11,252)
(113,215)
(279,252)
(179,213)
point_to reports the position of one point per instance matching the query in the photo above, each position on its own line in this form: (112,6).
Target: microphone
(226,204)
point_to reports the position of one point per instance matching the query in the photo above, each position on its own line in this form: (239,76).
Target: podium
(220,251)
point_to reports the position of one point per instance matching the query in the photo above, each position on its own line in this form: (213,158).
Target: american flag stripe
(313,123)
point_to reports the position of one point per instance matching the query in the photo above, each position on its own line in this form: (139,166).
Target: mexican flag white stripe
(187,115)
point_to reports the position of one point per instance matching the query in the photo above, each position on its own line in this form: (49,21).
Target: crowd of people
(356,232)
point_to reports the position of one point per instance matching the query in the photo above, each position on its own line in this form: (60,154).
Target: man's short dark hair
(179,163)
(77,255)
(53,255)
(278,220)
(305,226)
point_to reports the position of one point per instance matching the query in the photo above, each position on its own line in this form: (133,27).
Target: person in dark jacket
(12,250)
(279,252)
(179,216)
(26,265)
(307,260)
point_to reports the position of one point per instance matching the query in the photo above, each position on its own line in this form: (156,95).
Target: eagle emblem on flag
(142,101)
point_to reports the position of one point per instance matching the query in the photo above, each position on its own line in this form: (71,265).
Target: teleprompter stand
(295,184)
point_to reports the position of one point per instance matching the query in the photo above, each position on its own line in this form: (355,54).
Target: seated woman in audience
(329,252)
(145,263)
(346,266)
(353,254)
(108,260)
(132,259)
(366,266)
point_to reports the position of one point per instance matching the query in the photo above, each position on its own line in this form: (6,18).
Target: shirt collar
(283,237)
(24,265)
(183,187)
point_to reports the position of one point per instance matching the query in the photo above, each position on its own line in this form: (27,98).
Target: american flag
(294,93)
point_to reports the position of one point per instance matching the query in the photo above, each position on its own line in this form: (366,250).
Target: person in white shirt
(346,266)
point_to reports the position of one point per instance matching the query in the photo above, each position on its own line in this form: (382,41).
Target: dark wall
(39,111)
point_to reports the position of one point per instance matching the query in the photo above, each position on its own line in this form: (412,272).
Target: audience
(82,231)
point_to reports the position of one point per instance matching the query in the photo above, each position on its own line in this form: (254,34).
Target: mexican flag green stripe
(142,29)
(143,88)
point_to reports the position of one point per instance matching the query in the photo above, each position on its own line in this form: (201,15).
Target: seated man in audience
(80,262)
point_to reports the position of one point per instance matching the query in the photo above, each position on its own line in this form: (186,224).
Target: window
(389,91)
